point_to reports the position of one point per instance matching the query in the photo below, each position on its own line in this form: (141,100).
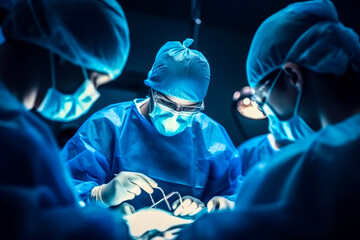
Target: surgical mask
(168,123)
(290,130)
(57,106)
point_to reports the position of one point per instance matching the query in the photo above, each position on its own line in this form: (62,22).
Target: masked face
(57,106)
(292,129)
(167,123)
(166,119)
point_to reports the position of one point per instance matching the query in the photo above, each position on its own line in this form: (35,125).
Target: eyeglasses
(173,107)
(165,198)
(263,92)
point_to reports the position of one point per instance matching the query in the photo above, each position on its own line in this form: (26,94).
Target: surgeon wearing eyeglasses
(126,150)
(285,127)
(281,133)
(286,123)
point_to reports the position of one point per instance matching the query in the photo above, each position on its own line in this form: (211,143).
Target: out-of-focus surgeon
(163,141)
(55,54)
(309,66)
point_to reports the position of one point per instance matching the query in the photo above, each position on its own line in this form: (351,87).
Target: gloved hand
(218,203)
(125,186)
(191,206)
(124,209)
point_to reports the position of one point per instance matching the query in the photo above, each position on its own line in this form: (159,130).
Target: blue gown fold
(254,150)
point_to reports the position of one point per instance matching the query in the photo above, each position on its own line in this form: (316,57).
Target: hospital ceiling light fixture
(245,106)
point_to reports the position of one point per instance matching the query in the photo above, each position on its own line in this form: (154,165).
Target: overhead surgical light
(245,105)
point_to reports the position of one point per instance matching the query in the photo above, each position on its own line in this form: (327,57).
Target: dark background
(223,36)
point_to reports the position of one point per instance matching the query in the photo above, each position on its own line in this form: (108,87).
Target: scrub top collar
(139,102)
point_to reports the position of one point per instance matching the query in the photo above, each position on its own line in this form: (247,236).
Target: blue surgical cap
(180,72)
(90,33)
(308,34)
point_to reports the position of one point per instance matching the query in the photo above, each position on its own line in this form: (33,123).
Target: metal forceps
(165,198)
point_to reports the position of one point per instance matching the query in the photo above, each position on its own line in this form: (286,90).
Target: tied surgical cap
(180,72)
(89,33)
(308,34)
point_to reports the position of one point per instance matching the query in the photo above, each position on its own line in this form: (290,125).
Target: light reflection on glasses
(173,107)
(263,92)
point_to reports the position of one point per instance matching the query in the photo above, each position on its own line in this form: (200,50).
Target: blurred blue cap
(306,33)
(90,33)
(180,72)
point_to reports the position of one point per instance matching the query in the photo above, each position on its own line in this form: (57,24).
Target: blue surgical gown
(201,161)
(254,150)
(310,190)
(37,200)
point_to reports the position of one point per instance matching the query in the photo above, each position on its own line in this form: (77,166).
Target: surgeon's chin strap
(95,196)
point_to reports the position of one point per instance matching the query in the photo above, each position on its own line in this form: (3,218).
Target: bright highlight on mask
(67,107)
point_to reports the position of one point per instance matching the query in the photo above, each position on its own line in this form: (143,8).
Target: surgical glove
(191,206)
(148,219)
(124,209)
(125,186)
(218,203)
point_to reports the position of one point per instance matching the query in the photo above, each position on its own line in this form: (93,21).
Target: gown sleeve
(225,174)
(88,155)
